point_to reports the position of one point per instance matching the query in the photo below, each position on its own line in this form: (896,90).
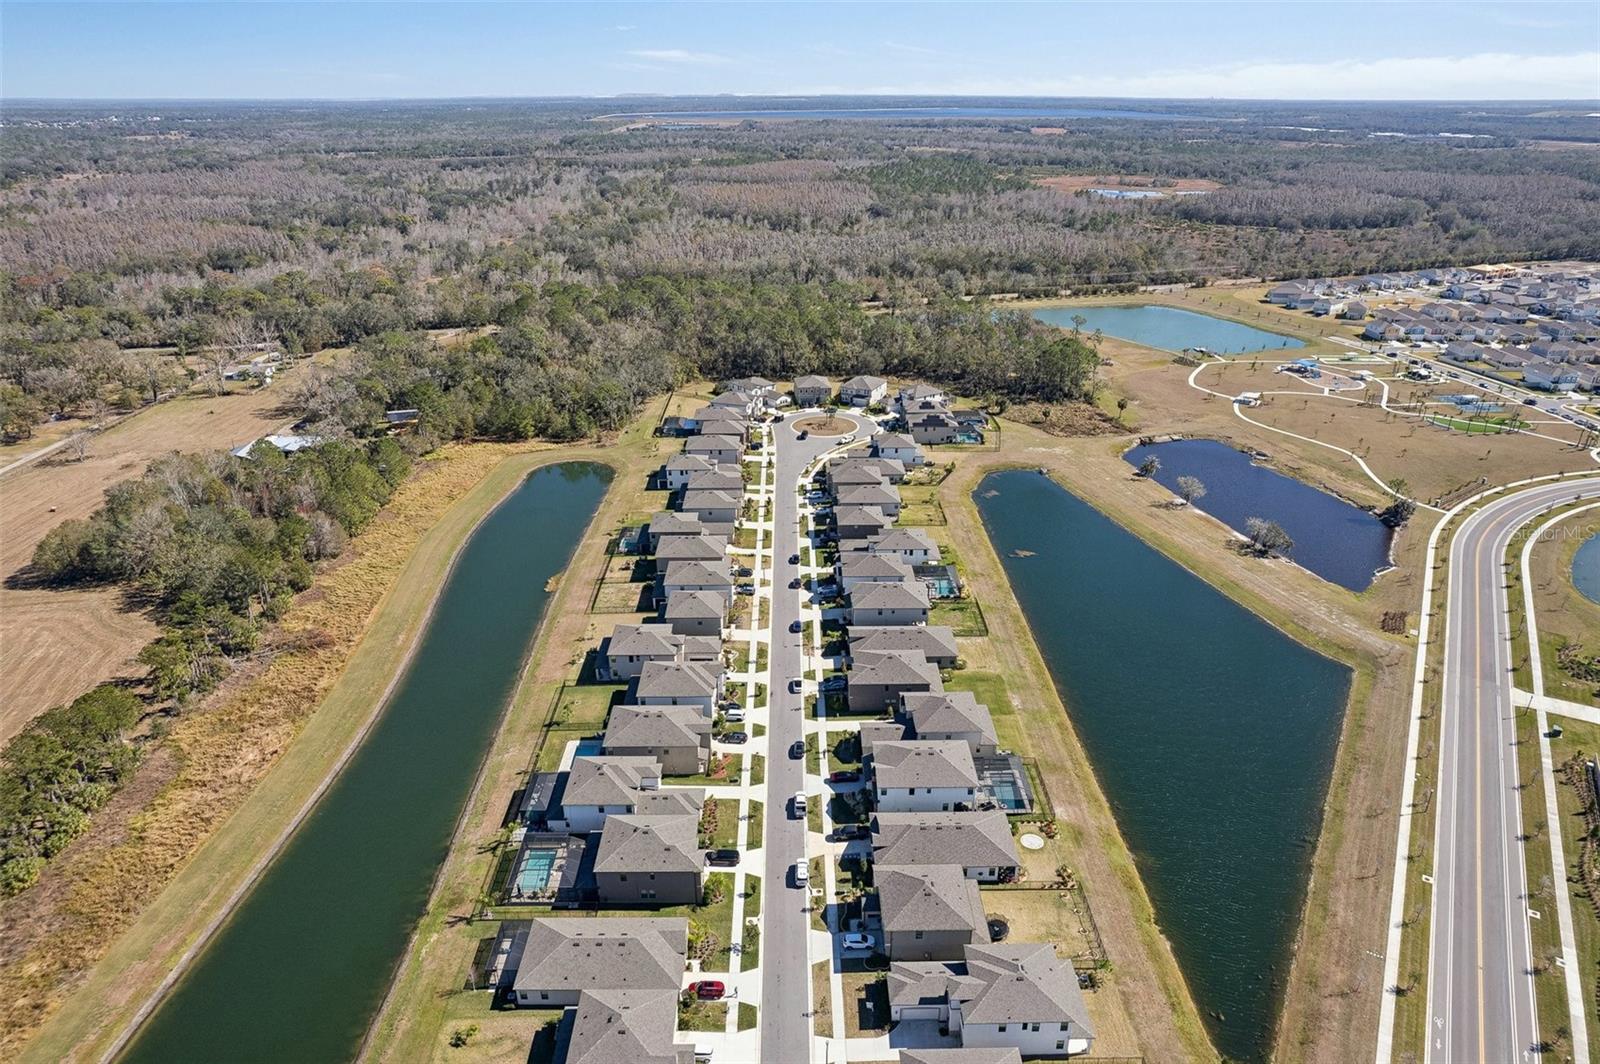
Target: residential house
(738,402)
(863,391)
(885,498)
(1550,376)
(719,450)
(929,912)
(1288,294)
(671,523)
(952,715)
(899,447)
(933,426)
(1354,311)
(935,642)
(912,544)
(690,548)
(860,567)
(879,679)
(1506,357)
(712,507)
(961,1055)
(980,842)
(723,478)
(624,652)
(677,470)
(677,736)
(886,604)
(759,387)
(638,1026)
(1378,329)
(695,576)
(873,732)
(811,390)
(1328,306)
(859,522)
(1017,995)
(598,787)
(559,959)
(698,613)
(679,683)
(913,394)
(923,776)
(649,860)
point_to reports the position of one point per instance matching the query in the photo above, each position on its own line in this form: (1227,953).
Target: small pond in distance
(1338,541)
(1212,733)
(1170,328)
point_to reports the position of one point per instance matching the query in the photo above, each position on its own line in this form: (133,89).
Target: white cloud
(680,55)
(1486,76)
(625,28)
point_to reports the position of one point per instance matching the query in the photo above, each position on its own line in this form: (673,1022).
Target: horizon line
(12,100)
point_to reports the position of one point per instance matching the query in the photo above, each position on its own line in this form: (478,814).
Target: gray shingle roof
(879,567)
(932,640)
(892,668)
(864,383)
(603,953)
(633,727)
(637,1026)
(874,596)
(607,780)
(929,898)
(905,539)
(962,1055)
(952,712)
(695,604)
(650,843)
(923,763)
(650,639)
(1016,982)
(690,548)
(972,840)
(668,679)
(697,574)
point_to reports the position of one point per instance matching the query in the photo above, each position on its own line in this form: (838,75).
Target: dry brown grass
(209,763)
(1070,183)
(54,645)
(1562,613)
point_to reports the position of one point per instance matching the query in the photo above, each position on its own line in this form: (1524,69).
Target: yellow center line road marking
(1477,774)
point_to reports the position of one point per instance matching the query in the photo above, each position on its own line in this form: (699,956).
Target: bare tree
(78,445)
(1191,488)
(1267,538)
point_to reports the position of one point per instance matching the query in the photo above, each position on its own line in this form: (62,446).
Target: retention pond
(1169,328)
(301,967)
(1338,541)
(1212,733)
(1586,569)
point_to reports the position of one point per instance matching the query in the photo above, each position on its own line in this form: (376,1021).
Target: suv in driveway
(724,858)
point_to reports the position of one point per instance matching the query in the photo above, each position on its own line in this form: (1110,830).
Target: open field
(1580,740)
(104,897)
(1561,612)
(1070,183)
(55,645)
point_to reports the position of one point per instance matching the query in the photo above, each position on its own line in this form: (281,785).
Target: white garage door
(919,1012)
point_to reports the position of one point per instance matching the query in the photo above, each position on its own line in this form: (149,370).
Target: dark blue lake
(1170,328)
(1586,569)
(301,966)
(1212,733)
(1339,542)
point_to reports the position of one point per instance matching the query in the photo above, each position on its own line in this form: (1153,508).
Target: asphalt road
(1480,987)
(786,970)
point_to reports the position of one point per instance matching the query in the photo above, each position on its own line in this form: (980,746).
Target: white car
(733,716)
(802,874)
(799,803)
(848,437)
(857,942)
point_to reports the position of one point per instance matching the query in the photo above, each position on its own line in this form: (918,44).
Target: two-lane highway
(1481,984)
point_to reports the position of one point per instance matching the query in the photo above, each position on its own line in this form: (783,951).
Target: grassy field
(1562,613)
(1579,740)
(54,645)
(1550,994)
(295,718)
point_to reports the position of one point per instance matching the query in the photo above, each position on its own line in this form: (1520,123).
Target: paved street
(1480,987)
(786,984)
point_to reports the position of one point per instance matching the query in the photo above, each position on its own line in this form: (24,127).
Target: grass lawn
(747,1016)
(724,824)
(813,754)
(1578,737)
(586,705)
(964,616)
(818,892)
(758,821)
(866,1003)
(720,769)
(822,1001)
(990,689)
(1041,916)
(845,752)
(702,1015)
(716,918)
(555,744)
(814,814)
(758,768)
(1550,995)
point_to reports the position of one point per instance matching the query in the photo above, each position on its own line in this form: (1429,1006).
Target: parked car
(794,559)
(796,626)
(733,714)
(797,750)
(737,738)
(844,775)
(794,686)
(846,832)
(857,942)
(746,589)
(798,803)
(848,437)
(802,874)
(779,416)
(795,584)
(745,570)
(709,989)
(802,434)
(834,683)
(722,858)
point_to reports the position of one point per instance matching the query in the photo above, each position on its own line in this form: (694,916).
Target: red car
(709,990)
(844,775)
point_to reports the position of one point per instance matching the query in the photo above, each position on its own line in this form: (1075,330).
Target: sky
(1268,50)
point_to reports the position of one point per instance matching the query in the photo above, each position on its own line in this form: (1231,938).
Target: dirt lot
(54,645)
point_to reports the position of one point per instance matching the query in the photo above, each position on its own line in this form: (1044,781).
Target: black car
(797,749)
(1530,401)
(796,626)
(722,858)
(735,737)
(794,559)
(802,434)
(795,584)
(846,832)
